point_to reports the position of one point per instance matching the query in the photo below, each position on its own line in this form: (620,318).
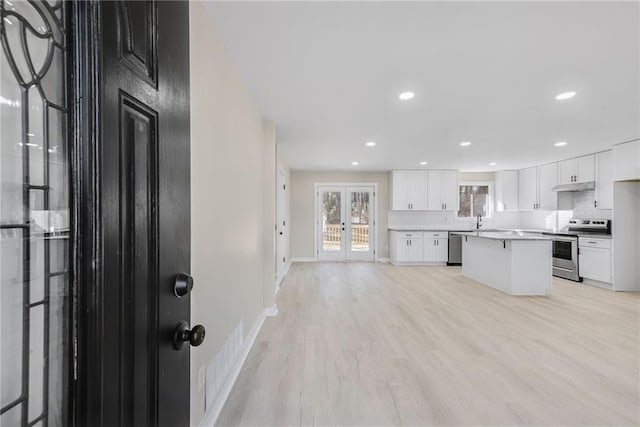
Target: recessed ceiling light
(370,143)
(560,144)
(406,95)
(355,163)
(565,95)
(492,164)
(465,144)
(423,163)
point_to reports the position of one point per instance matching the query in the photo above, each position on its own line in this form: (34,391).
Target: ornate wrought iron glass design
(34,213)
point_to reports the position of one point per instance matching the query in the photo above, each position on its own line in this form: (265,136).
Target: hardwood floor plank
(376,344)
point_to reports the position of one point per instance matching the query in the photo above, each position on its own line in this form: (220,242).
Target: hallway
(375,344)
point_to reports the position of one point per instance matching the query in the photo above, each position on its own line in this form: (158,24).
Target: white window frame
(490,209)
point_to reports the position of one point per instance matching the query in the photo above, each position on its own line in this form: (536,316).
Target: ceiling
(329,74)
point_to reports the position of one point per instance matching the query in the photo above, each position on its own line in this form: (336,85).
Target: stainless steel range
(565,244)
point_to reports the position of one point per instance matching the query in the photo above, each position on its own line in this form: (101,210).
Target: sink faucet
(479,222)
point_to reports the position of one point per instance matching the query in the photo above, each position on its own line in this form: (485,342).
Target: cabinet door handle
(595,203)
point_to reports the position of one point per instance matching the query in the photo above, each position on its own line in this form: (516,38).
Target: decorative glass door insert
(34,214)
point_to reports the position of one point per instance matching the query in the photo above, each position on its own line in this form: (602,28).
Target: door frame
(85,239)
(343,185)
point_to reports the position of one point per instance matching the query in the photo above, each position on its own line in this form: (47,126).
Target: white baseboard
(384,260)
(304,259)
(211,416)
(279,281)
(271,311)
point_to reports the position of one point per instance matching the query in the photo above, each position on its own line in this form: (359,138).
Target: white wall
(231,159)
(626,236)
(303,199)
(269,213)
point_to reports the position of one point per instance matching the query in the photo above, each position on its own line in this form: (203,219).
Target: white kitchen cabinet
(528,188)
(407,247)
(408,190)
(626,161)
(594,259)
(547,179)
(417,247)
(506,190)
(604,180)
(535,187)
(436,250)
(442,190)
(450,190)
(579,169)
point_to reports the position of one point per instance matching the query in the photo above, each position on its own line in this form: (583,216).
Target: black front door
(134,375)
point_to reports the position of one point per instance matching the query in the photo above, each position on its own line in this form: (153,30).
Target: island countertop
(503,235)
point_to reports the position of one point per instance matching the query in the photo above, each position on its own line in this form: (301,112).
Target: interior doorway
(345,222)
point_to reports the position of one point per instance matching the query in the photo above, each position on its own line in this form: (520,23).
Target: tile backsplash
(583,207)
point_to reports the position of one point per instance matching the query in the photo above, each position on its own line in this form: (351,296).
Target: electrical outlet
(201,378)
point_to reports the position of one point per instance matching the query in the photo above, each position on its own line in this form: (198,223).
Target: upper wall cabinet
(528,188)
(626,161)
(442,190)
(547,179)
(506,190)
(535,187)
(604,180)
(580,169)
(409,190)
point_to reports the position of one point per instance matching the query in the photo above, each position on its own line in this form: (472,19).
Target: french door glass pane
(360,210)
(34,215)
(331,221)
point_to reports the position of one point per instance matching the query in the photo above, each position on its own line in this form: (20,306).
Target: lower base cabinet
(419,247)
(594,259)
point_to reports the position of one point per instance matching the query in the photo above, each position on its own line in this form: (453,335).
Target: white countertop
(504,235)
(429,228)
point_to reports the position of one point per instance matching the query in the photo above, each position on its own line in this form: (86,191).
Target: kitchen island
(517,263)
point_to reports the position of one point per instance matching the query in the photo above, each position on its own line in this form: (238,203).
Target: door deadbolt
(182,285)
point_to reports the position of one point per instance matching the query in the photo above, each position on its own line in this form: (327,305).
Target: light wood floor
(375,344)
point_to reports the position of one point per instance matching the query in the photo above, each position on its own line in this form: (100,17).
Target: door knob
(183,334)
(182,285)
(281,233)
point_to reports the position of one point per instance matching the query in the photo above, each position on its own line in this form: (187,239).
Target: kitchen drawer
(593,242)
(408,234)
(436,235)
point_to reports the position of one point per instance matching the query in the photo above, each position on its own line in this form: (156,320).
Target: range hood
(576,186)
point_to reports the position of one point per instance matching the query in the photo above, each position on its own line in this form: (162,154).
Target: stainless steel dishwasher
(455,249)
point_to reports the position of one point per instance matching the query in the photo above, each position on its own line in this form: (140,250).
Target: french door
(346,223)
